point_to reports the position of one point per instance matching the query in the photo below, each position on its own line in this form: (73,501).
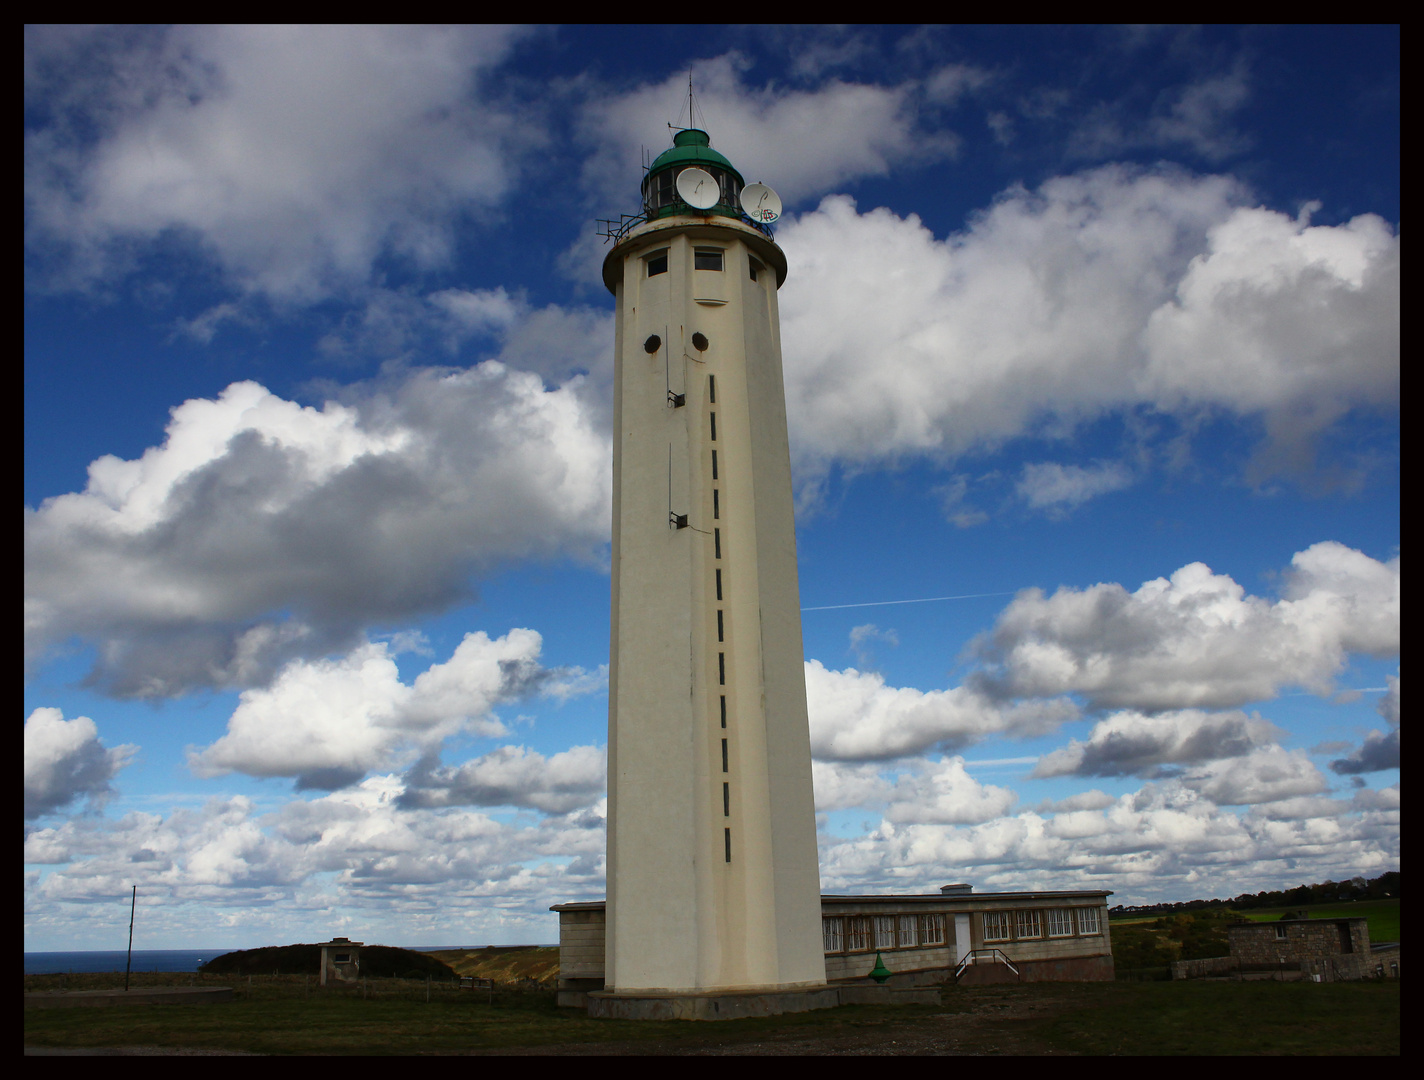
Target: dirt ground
(991,1027)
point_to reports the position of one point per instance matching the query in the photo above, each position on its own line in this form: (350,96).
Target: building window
(1060,922)
(724,755)
(832,935)
(931,929)
(858,933)
(996,926)
(707,259)
(1088,920)
(721,669)
(726,800)
(909,932)
(714,464)
(719,575)
(885,931)
(657,263)
(755,268)
(1029,925)
(717,551)
(712,397)
(1282,932)
(727,841)
(716,504)
(724,710)
(714,426)
(719,624)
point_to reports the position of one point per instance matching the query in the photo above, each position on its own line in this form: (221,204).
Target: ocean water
(39,963)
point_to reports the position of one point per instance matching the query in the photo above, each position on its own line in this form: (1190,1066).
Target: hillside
(377,962)
(507,965)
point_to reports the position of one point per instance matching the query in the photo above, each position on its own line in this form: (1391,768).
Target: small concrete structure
(1322,950)
(924,940)
(340,960)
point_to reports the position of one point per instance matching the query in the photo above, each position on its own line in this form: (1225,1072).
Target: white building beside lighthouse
(713,882)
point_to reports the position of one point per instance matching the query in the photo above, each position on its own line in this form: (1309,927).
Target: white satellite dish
(761,203)
(698,188)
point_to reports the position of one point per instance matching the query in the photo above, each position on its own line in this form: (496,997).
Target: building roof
(956,900)
(691,146)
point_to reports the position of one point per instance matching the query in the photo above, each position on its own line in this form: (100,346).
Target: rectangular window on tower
(657,263)
(716,504)
(712,389)
(724,710)
(719,625)
(707,259)
(719,576)
(714,464)
(755,268)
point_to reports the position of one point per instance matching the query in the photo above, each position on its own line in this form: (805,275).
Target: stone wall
(1214,967)
(1296,940)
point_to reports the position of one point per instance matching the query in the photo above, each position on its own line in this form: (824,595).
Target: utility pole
(133,903)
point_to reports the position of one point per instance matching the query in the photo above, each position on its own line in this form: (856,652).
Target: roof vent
(956,890)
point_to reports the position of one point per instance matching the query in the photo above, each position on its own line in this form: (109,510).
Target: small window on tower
(707,259)
(756,268)
(657,263)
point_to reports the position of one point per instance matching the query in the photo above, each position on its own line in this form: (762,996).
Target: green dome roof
(692,147)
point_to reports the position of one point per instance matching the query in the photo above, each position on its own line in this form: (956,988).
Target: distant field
(289,1015)
(1382,914)
(507,965)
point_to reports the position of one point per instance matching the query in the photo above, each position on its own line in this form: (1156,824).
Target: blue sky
(1094,330)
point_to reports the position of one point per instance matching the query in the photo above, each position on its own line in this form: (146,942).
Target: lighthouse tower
(713,880)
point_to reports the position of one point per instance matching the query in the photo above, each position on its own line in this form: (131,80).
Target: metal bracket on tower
(675,521)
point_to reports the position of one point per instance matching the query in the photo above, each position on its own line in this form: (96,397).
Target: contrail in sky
(922,600)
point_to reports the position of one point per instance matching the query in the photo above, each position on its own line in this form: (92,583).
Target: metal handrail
(626,223)
(994,957)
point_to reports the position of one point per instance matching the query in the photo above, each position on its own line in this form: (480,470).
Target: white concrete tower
(713,880)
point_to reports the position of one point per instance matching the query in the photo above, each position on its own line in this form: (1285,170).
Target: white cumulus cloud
(65,761)
(855,716)
(292,156)
(262,529)
(514,776)
(1129,743)
(1196,639)
(1107,290)
(328,722)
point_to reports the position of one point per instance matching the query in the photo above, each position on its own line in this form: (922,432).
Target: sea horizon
(88,961)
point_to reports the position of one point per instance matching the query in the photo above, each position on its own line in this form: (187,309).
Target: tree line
(1384,887)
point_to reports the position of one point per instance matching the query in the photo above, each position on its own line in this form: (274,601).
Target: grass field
(1382,914)
(506,964)
(286,1015)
